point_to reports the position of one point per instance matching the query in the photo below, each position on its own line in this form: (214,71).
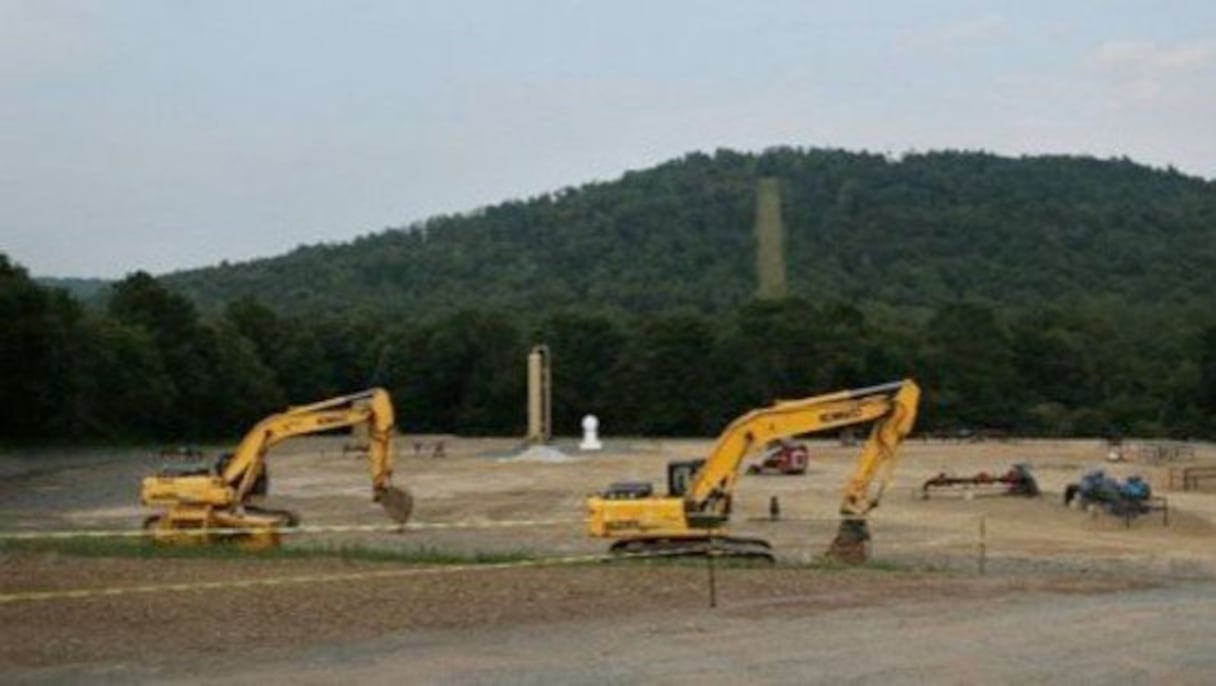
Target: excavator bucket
(397,503)
(852,543)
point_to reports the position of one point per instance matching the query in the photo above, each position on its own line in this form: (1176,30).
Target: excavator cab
(261,483)
(680,476)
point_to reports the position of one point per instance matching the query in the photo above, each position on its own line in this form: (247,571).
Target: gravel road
(593,624)
(1149,636)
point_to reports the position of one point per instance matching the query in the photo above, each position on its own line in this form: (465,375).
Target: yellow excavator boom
(699,496)
(220,497)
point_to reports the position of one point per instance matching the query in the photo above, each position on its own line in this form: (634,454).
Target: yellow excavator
(219,497)
(691,518)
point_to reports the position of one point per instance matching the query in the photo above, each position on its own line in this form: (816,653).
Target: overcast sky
(167,134)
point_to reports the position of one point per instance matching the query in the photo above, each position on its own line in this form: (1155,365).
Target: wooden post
(983,544)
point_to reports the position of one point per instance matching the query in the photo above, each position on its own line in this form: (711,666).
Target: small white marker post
(591,439)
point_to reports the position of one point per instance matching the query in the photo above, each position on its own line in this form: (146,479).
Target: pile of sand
(540,453)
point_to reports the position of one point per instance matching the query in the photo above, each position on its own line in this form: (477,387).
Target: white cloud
(1144,73)
(1150,56)
(961,31)
(36,36)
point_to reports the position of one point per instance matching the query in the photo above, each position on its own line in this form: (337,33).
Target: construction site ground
(1064,595)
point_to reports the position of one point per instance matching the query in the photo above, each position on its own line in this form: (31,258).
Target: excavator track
(287,518)
(739,547)
(262,526)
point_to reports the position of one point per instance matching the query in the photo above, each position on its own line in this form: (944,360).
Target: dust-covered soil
(1055,581)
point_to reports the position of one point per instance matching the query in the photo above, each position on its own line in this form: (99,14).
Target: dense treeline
(148,366)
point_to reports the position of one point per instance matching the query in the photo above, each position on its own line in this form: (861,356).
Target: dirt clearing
(920,611)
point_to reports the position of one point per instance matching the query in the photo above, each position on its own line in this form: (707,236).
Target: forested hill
(1046,296)
(922,230)
(84,289)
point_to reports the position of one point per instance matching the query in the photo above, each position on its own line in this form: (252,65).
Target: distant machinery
(1016,481)
(782,456)
(1127,499)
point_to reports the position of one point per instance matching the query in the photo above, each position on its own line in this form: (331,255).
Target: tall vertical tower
(540,425)
(770,241)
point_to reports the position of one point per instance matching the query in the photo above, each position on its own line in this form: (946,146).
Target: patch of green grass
(684,561)
(426,555)
(142,548)
(423,555)
(827,564)
(819,564)
(84,547)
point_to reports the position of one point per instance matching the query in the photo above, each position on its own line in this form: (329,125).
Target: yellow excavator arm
(372,407)
(893,403)
(699,502)
(220,498)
